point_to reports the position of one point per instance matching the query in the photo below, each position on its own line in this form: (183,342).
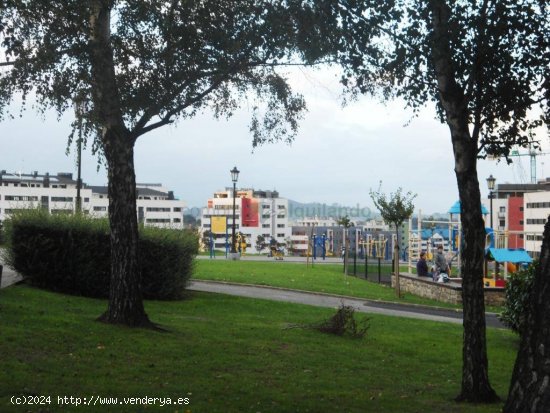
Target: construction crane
(532,153)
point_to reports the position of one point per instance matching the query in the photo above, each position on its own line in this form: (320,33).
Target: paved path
(10,277)
(325,300)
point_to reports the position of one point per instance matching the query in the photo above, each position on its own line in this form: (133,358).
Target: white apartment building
(57,193)
(519,213)
(316,222)
(536,211)
(256,213)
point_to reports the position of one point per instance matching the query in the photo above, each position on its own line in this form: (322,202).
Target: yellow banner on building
(218,225)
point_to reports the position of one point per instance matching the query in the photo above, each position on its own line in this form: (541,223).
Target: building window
(61,211)
(280,225)
(177,220)
(266,206)
(280,207)
(521,222)
(157,209)
(520,209)
(158,220)
(100,208)
(20,198)
(536,221)
(280,235)
(280,216)
(226,207)
(86,199)
(266,226)
(538,205)
(177,209)
(62,199)
(266,216)
(502,209)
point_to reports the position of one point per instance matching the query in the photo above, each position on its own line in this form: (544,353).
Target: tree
(484,64)
(395,209)
(207,240)
(190,221)
(529,386)
(344,222)
(260,243)
(144,64)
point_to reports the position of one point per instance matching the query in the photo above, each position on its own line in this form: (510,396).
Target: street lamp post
(234,178)
(79,111)
(491,185)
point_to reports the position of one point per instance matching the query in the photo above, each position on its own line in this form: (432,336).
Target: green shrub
(71,254)
(166,260)
(518,290)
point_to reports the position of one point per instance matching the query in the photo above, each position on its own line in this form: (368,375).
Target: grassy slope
(326,278)
(230,354)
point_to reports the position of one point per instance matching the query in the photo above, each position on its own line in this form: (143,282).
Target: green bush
(518,290)
(71,254)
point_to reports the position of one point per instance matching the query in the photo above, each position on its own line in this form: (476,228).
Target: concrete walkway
(7,276)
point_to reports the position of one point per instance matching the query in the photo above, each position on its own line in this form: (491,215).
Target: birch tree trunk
(530,386)
(125,300)
(475,380)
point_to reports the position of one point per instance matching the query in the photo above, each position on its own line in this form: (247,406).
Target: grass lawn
(230,354)
(325,278)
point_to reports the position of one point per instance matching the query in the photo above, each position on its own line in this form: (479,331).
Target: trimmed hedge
(71,254)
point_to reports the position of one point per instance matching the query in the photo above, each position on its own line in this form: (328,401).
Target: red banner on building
(250,213)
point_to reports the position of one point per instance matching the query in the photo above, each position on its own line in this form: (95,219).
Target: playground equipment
(277,253)
(451,242)
(375,249)
(509,258)
(504,243)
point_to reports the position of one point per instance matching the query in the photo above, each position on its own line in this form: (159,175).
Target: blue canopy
(455,209)
(515,255)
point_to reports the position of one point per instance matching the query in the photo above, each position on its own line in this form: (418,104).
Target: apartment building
(257,212)
(536,212)
(57,193)
(519,213)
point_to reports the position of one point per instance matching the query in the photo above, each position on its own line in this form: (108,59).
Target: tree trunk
(475,379)
(125,300)
(396,262)
(530,385)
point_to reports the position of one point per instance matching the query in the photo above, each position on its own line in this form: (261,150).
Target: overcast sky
(337,157)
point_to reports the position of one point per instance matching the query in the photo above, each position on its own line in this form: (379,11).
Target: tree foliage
(484,65)
(172,59)
(396,207)
(516,305)
(260,243)
(344,222)
(139,65)
(500,53)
